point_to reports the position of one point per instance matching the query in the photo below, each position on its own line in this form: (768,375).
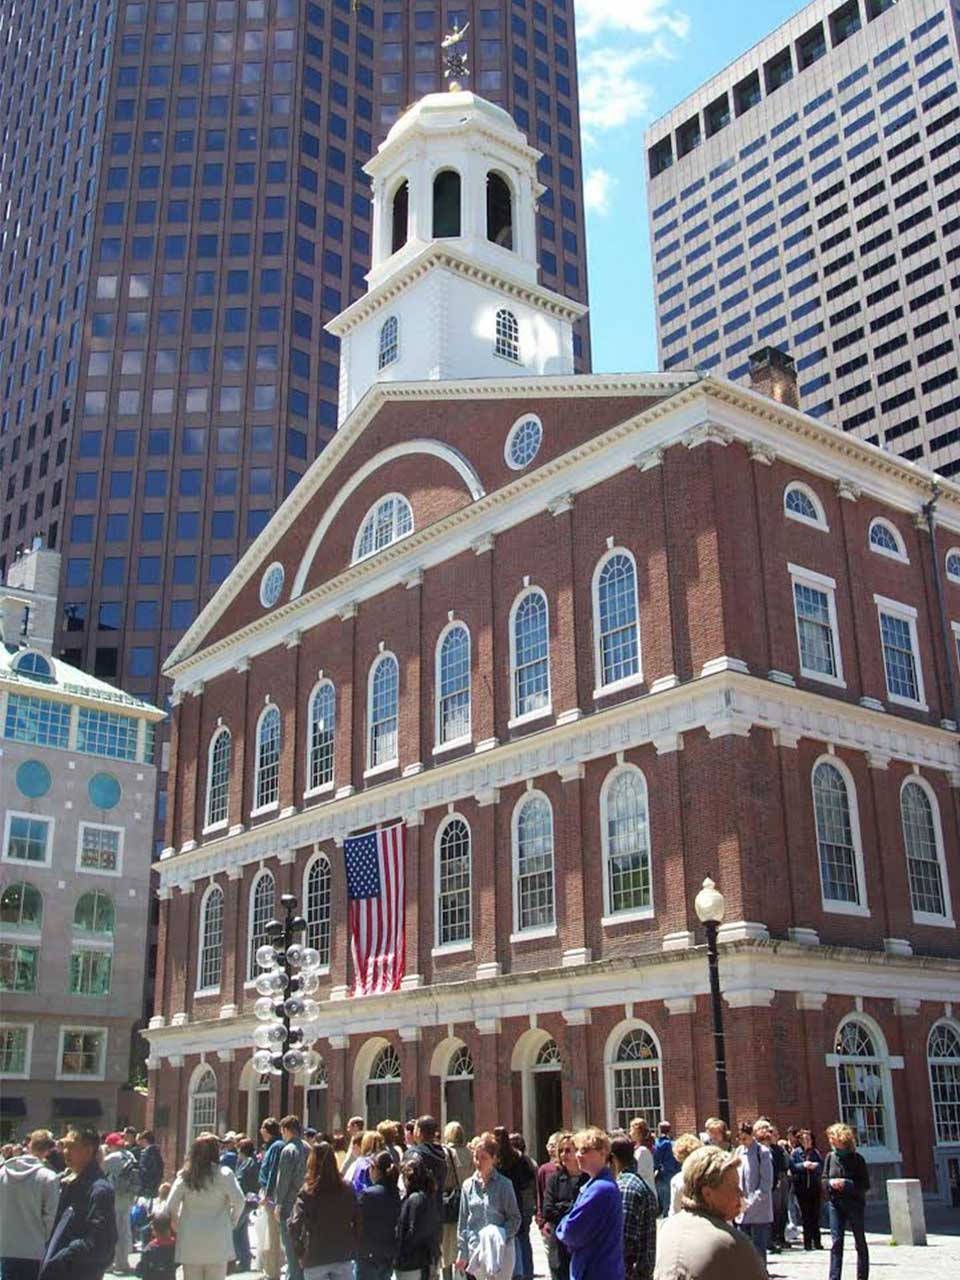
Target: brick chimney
(774,374)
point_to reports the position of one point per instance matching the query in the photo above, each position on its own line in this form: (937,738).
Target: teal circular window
(104,791)
(33,778)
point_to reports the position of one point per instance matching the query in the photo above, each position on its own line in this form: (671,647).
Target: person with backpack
(29,1192)
(122,1170)
(665,1166)
(846,1182)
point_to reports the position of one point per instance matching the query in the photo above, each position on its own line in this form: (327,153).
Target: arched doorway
(446,204)
(315,1100)
(399,217)
(254,1100)
(458,1090)
(377,1082)
(499,211)
(536,1056)
(203,1103)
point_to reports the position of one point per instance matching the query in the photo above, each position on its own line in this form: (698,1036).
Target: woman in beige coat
(700,1242)
(459,1168)
(205,1204)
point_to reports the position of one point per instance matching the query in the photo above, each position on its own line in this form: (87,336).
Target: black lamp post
(285,1010)
(709,907)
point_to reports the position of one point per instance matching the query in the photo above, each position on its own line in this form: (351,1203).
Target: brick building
(590,638)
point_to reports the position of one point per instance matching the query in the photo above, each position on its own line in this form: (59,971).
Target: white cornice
(727,702)
(745,968)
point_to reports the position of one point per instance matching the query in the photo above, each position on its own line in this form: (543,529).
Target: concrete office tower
(808,197)
(184,209)
(77,784)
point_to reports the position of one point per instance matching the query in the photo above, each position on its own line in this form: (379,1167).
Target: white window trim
(519,934)
(820,581)
(32,817)
(381,363)
(909,614)
(954,1025)
(951,577)
(464,739)
(356,557)
(901,552)
(7,1025)
(320,856)
(271,805)
(248,959)
(199,1073)
(635,913)
(324,786)
(373,769)
(66,1029)
(540,712)
(891,1152)
(830,905)
(927,917)
(201,930)
(221,823)
(614,1040)
(624,682)
(820,522)
(96,871)
(511,434)
(465,944)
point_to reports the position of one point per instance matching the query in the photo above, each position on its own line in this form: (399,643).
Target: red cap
(115,1140)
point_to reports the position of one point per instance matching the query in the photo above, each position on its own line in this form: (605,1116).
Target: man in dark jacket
(291,1171)
(151,1164)
(84,1234)
(434,1158)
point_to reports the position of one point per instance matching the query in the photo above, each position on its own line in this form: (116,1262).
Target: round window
(33,779)
(104,791)
(271,584)
(523,443)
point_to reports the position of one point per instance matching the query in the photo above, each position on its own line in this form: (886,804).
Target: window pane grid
(81,1053)
(383,712)
(454,884)
(13,1050)
(628,847)
(814,629)
(94,913)
(898,660)
(218,785)
(262,913)
(104,733)
(322,727)
(455,685)
(617,598)
(636,1080)
(203,1107)
(21,907)
(211,942)
(835,836)
(99,848)
(268,759)
(535,865)
(18,967)
(28,839)
(389,342)
(508,336)
(318,909)
(944,1058)
(531,655)
(923,862)
(90,973)
(800,504)
(37,720)
(389,521)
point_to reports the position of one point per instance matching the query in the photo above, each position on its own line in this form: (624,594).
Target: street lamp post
(709,907)
(286,1012)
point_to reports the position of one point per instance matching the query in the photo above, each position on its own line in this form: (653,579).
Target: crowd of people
(396,1201)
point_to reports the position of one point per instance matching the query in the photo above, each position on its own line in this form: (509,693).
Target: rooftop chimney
(774,374)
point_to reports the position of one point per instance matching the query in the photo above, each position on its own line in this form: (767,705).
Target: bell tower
(453,288)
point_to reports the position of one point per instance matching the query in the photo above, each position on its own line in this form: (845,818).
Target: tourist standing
(247,1174)
(325,1222)
(487,1200)
(544,1171)
(593,1229)
(29,1192)
(379,1214)
(205,1204)
(122,1171)
(291,1172)
(523,1174)
(716,1134)
(682,1147)
(846,1182)
(459,1168)
(699,1242)
(84,1234)
(371,1144)
(270,1251)
(640,1212)
(643,1150)
(151,1164)
(665,1166)
(806,1165)
(756,1184)
(419,1224)
(563,1187)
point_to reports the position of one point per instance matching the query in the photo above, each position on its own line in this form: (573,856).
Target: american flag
(375,890)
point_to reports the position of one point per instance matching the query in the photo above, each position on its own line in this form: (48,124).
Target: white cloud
(597,188)
(643,17)
(611,92)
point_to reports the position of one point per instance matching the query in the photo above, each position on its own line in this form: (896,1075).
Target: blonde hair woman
(459,1161)
(371,1144)
(846,1183)
(700,1240)
(682,1147)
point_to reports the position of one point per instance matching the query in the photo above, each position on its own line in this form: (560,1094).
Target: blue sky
(637,59)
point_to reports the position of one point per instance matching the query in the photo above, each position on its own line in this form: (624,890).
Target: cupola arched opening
(446,204)
(400,217)
(499,211)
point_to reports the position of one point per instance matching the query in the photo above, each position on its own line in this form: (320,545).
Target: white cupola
(453,290)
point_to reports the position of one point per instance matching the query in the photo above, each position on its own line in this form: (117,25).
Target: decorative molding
(575,956)
(682,940)
(750,998)
(486,744)
(732,726)
(708,433)
(786,738)
(228,1011)
(482,545)
(664,683)
(225,1055)
(411,981)
(765,454)
(488,969)
(577,1017)
(803,936)
(487,1026)
(348,611)
(897,947)
(871,704)
(781,677)
(180,1019)
(666,743)
(649,460)
(724,663)
(410,1035)
(560,506)
(680,1004)
(487,796)
(847,490)
(338,1042)
(906,1007)
(742,931)
(812,1000)
(877,760)
(570,716)
(571,772)
(413,580)
(158,1020)
(241,665)
(293,640)
(234,873)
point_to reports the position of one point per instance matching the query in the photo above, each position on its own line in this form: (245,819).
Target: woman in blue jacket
(806,1166)
(379,1212)
(593,1229)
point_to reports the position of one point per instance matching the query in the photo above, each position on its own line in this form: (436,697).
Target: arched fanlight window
(548,1057)
(21,907)
(507,337)
(499,211)
(94,914)
(921,838)
(801,503)
(615,618)
(943,1060)
(389,520)
(34,665)
(453,685)
(530,653)
(382,1094)
(533,865)
(389,348)
(262,899)
(863,1084)
(316,907)
(218,776)
(446,204)
(321,727)
(382,710)
(885,539)
(453,874)
(266,783)
(625,837)
(203,1104)
(636,1080)
(837,840)
(210,962)
(399,213)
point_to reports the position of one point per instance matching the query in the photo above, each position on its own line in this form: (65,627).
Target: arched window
(943,1059)
(453,685)
(801,503)
(952,563)
(382,701)
(499,211)
(94,914)
(399,217)
(203,1104)
(446,204)
(625,836)
(218,776)
(34,665)
(210,963)
(321,725)
(21,907)
(453,883)
(837,836)
(266,783)
(863,1084)
(615,618)
(921,838)
(383,1089)
(885,539)
(262,897)
(636,1080)
(315,1097)
(458,1089)
(530,653)
(533,863)
(316,907)
(507,336)
(389,342)
(387,521)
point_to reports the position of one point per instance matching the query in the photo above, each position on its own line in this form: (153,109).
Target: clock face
(271,584)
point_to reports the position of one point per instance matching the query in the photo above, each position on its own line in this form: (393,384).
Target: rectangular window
(90,973)
(901,665)
(104,733)
(27,838)
(18,967)
(818,638)
(100,849)
(82,1053)
(15,1051)
(37,720)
